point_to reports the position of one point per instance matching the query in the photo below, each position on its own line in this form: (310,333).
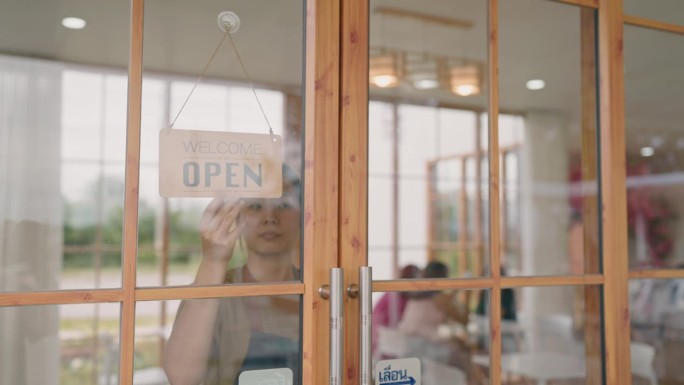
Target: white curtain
(30,216)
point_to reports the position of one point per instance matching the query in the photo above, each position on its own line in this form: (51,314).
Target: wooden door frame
(353,174)
(321,165)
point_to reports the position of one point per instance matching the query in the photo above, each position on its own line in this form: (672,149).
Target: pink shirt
(387,313)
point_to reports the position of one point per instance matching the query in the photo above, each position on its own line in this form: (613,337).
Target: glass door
(220,230)
(177,212)
(480,167)
(453,147)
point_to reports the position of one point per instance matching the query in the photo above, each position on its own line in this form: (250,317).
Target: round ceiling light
(647,151)
(384,70)
(465,80)
(535,84)
(73,23)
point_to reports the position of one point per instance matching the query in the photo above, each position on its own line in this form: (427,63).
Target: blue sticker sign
(404,371)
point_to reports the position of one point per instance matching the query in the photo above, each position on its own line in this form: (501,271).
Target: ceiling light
(73,23)
(426,84)
(423,71)
(465,80)
(385,80)
(535,84)
(384,70)
(647,151)
(466,90)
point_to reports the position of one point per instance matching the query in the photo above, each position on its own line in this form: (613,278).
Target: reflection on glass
(236,241)
(212,341)
(657,322)
(62,130)
(93,226)
(65,344)
(436,202)
(174,232)
(548,152)
(444,330)
(424,204)
(556,337)
(169,233)
(654,145)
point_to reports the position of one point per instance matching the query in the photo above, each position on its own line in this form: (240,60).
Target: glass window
(60,344)
(187,88)
(62,143)
(214,341)
(657,322)
(655,145)
(427,91)
(548,153)
(553,335)
(445,331)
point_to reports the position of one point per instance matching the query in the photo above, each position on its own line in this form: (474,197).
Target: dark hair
(436,269)
(409,271)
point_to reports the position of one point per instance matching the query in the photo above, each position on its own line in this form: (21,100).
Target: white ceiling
(539,39)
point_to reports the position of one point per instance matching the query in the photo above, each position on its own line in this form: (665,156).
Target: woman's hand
(220,229)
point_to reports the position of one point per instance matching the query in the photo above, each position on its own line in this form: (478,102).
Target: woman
(426,311)
(389,309)
(214,340)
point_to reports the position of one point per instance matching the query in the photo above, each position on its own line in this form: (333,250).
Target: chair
(642,361)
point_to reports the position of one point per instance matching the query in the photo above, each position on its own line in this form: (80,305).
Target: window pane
(62,144)
(59,344)
(427,91)
(548,152)
(555,337)
(251,333)
(447,331)
(169,238)
(655,158)
(657,322)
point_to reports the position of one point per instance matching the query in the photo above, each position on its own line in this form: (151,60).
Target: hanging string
(199,78)
(244,70)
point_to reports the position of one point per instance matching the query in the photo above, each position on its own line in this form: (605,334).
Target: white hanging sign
(404,371)
(196,163)
(282,376)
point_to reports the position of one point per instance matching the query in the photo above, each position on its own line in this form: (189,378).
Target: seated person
(508,313)
(389,309)
(508,306)
(426,311)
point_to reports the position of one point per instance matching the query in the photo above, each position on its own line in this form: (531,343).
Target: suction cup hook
(228,21)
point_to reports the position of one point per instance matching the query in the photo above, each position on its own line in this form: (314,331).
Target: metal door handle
(366,310)
(336,324)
